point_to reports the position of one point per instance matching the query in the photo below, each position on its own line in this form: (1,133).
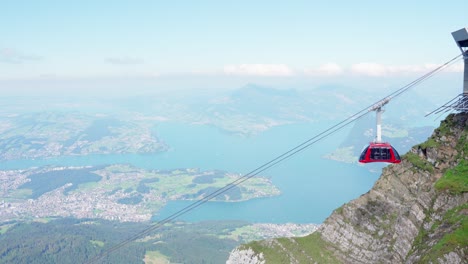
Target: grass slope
(456,239)
(454,180)
(309,249)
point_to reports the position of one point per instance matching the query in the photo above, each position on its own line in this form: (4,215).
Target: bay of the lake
(311,186)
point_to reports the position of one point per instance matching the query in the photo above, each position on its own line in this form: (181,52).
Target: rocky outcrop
(416,212)
(247,256)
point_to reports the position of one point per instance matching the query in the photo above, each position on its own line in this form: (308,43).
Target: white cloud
(327,69)
(378,70)
(458,67)
(369,69)
(333,69)
(259,70)
(8,55)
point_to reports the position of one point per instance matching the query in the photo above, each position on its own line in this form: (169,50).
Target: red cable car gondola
(379,151)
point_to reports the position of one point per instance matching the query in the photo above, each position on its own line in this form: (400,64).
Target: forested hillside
(76,241)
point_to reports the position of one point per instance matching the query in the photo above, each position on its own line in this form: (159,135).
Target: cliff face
(417,212)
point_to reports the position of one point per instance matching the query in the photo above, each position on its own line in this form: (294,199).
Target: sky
(115,42)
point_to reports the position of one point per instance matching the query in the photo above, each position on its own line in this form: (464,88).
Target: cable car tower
(460,102)
(379,151)
(461,38)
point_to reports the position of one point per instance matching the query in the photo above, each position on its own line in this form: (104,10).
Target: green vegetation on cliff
(418,162)
(309,249)
(457,238)
(454,180)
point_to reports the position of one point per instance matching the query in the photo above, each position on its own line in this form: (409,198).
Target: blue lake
(312,187)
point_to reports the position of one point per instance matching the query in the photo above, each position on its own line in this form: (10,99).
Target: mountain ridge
(415,213)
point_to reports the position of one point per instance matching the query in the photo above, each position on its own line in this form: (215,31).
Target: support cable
(286,155)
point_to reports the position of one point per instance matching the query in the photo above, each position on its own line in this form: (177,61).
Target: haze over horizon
(222,45)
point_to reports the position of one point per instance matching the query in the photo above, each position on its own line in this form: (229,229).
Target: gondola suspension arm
(378,109)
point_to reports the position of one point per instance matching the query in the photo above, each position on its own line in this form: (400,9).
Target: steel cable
(302,146)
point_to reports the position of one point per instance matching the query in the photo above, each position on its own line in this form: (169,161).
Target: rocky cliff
(417,212)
